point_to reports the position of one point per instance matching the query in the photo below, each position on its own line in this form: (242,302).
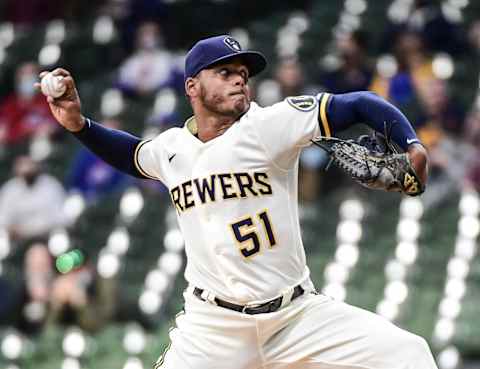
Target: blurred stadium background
(412,260)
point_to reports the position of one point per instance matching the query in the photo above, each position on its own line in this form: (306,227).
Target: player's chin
(240,104)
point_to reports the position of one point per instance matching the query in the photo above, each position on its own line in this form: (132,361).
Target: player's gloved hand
(374,162)
(418,157)
(67,108)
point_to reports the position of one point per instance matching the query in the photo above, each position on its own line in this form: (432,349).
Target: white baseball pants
(312,332)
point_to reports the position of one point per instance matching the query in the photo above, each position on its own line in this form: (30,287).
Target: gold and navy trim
(324,100)
(136,162)
(159,363)
(161,359)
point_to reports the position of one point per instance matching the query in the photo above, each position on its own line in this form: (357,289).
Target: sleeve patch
(303,103)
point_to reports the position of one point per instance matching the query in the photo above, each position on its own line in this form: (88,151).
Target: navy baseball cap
(217,49)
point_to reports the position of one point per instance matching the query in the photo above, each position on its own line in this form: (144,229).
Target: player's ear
(191,87)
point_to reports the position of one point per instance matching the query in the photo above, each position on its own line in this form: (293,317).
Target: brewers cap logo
(232,44)
(302,103)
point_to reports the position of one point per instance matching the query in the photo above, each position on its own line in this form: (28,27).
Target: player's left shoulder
(292,107)
(300,103)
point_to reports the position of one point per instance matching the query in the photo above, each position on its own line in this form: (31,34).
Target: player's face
(224,90)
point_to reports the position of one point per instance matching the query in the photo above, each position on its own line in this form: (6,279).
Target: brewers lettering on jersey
(219,186)
(232,174)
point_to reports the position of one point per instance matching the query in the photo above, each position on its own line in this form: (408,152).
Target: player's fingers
(68,82)
(43,74)
(61,72)
(58,102)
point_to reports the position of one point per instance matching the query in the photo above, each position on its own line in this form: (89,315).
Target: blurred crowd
(31,201)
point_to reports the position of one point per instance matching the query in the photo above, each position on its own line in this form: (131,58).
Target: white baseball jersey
(236,197)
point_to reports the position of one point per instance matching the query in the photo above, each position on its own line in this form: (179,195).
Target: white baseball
(52,85)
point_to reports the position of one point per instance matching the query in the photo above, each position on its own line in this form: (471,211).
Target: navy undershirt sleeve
(115,147)
(344,110)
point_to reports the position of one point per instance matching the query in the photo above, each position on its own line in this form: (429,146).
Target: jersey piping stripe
(137,164)
(160,361)
(323,114)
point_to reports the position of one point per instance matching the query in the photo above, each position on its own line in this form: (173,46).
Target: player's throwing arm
(115,147)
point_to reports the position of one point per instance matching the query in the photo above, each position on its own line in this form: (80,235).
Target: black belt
(267,307)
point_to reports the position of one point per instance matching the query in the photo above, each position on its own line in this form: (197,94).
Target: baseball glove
(374,162)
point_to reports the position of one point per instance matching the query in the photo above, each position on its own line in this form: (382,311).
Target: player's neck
(209,127)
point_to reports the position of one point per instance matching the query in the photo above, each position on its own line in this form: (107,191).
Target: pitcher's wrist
(78,125)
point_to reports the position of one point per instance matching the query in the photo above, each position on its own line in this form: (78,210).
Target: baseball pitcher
(232,173)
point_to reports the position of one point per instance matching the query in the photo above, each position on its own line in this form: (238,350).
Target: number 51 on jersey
(250,230)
